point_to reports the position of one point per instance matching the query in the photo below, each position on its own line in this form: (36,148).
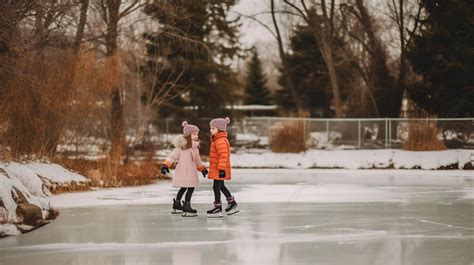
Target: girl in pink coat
(185,177)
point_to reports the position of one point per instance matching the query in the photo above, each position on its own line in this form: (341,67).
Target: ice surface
(334,185)
(287,217)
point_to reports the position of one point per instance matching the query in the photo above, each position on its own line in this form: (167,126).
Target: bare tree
(406,15)
(81,26)
(52,20)
(154,85)
(111,12)
(384,89)
(284,60)
(276,33)
(321,18)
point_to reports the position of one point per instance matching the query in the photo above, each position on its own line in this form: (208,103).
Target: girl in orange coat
(219,169)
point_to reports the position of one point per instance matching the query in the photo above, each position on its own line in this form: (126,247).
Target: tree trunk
(403,67)
(117,132)
(289,79)
(39,25)
(387,94)
(324,45)
(329,60)
(323,27)
(81,25)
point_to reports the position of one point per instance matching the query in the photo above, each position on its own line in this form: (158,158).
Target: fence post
(327,133)
(386,133)
(389,133)
(358,133)
(304,131)
(269,133)
(167,131)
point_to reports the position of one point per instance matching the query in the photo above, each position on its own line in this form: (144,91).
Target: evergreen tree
(195,42)
(311,77)
(442,54)
(309,74)
(256,91)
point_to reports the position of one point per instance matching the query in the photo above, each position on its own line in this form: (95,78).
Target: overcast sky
(254,34)
(251,31)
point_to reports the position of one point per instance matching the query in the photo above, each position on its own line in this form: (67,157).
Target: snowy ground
(355,159)
(287,217)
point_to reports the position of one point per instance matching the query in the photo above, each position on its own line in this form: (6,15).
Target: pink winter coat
(189,163)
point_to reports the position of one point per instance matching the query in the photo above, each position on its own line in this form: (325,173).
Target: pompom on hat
(220,123)
(189,129)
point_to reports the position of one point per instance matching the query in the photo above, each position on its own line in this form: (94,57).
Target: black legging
(218,187)
(181,192)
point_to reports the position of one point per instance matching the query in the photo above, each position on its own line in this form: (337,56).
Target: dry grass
(70,187)
(104,174)
(35,102)
(289,138)
(50,91)
(423,136)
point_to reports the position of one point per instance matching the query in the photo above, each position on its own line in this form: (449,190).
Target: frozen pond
(363,221)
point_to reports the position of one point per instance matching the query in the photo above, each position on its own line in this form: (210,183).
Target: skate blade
(215,215)
(176,212)
(233,211)
(189,215)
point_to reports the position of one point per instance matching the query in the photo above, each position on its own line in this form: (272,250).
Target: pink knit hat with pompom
(189,129)
(220,123)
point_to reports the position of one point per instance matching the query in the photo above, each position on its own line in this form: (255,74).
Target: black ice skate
(216,212)
(177,207)
(188,211)
(231,206)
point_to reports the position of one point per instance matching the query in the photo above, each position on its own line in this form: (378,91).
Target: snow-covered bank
(24,189)
(357,159)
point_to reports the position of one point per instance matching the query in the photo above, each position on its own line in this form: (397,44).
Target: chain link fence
(352,133)
(257,133)
(377,133)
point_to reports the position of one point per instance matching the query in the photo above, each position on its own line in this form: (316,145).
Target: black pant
(188,194)
(218,187)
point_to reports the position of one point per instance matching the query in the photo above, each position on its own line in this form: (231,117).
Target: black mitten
(204,172)
(221,174)
(164,169)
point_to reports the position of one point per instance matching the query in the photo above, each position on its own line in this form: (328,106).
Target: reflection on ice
(306,223)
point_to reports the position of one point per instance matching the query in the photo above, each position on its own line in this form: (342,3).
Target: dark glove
(221,174)
(204,172)
(164,169)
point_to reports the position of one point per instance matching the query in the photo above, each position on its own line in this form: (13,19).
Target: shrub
(50,92)
(423,136)
(289,137)
(104,173)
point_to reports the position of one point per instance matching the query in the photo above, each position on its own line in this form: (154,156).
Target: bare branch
(301,12)
(415,26)
(252,17)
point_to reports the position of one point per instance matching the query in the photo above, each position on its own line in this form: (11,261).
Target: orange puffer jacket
(219,156)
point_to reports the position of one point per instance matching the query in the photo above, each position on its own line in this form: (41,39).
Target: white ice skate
(232,206)
(176,211)
(216,212)
(232,211)
(186,214)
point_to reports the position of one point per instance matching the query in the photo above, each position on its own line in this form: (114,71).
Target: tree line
(76,69)
(356,58)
